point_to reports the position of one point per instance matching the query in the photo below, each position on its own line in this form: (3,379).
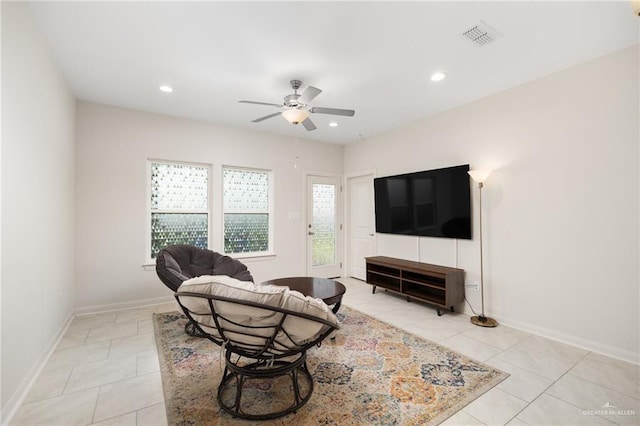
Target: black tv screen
(432,203)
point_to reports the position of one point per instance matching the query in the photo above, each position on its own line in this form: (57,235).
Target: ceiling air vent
(481,34)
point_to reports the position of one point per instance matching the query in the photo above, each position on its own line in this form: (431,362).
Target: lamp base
(483,321)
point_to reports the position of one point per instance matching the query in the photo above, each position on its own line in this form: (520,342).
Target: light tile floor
(105,371)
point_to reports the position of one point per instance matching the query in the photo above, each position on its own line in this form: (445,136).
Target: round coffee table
(329,291)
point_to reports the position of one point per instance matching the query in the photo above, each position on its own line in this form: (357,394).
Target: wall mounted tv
(432,203)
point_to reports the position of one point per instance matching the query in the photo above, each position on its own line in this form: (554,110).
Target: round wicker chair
(264,332)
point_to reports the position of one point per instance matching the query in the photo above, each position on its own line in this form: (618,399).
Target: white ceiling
(374,57)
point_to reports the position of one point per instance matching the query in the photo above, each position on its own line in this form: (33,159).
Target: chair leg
(296,386)
(297,370)
(191,329)
(239,385)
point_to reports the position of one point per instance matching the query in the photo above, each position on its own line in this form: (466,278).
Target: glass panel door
(323,227)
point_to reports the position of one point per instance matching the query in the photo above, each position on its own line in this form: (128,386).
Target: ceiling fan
(296,107)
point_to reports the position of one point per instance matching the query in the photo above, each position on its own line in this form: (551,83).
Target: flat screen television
(431,203)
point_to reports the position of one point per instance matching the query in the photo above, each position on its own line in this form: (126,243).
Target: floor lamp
(480,176)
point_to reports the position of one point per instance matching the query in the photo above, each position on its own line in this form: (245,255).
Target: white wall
(113,145)
(38,119)
(561,207)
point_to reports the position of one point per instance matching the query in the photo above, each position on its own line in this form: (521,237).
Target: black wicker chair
(178,263)
(268,346)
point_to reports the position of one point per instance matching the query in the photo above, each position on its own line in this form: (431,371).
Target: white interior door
(362,240)
(323,227)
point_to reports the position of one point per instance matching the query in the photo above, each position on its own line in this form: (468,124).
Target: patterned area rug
(371,374)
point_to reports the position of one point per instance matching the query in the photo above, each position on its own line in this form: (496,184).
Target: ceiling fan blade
(260,103)
(257,120)
(309,94)
(334,111)
(308,124)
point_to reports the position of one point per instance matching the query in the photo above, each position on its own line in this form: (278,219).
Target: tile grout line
(524,369)
(544,392)
(95,405)
(568,372)
(637,398)
(509,393)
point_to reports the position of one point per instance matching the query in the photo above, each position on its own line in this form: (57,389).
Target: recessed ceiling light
(333,124)
(438,76)
(166,89)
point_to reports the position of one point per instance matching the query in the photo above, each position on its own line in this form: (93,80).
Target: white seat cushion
(239,317)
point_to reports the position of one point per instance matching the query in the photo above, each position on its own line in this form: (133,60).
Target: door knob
(311,233)
(371,235)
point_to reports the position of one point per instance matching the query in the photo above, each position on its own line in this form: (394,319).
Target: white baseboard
(11,407)
(14,402)
(589,345)
(94,309)
(586,344)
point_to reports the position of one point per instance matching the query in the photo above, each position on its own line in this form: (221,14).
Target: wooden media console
(438,285)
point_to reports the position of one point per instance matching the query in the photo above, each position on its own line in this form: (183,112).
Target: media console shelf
(439,285)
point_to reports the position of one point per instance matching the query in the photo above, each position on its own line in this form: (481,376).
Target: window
(247,207)
(179,205)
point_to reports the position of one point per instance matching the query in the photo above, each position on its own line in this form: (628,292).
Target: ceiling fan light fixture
(295,116)
(296,110)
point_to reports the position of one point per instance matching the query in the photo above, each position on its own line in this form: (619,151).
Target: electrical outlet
(474,284)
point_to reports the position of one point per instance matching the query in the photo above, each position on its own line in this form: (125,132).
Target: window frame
(270,212)
(149,211)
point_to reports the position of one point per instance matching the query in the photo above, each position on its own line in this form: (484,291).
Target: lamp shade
(295,116)
(479,175)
